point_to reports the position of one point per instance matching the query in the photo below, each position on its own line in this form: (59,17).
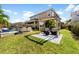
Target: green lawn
(20,44)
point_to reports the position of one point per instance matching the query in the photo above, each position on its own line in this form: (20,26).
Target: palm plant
(3,19)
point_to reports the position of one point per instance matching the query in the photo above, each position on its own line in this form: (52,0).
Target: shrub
(69,25)
(75,28)
(63,26)
(50,23)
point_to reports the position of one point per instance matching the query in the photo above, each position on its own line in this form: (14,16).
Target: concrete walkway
(52,38)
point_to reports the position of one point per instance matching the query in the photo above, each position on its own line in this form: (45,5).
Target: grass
(20,44)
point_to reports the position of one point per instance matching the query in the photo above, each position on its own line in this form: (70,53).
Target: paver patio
(52,38)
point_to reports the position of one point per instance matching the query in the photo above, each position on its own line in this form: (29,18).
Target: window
(48,14)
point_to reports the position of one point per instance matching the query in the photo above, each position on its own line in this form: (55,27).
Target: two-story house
(39,19)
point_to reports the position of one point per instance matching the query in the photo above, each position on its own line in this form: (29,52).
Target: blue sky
(22,12)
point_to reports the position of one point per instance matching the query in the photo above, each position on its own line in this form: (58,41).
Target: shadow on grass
(41,42)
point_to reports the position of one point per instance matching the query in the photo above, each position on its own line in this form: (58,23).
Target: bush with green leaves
(75,28)
(63,26)
(50,23)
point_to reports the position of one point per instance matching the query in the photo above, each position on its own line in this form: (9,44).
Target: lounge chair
(46,31)
(54,31)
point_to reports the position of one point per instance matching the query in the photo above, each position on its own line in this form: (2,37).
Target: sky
(22,12)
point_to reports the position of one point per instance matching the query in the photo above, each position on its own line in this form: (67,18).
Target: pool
(2,34)
(7,30)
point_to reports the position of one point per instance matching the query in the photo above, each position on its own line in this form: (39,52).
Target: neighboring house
(18,24)
(39,19)
(75,16)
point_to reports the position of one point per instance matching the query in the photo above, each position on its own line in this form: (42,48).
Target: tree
(3,19)
(50,23)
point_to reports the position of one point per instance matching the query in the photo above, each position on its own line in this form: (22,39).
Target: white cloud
(49,5)
(16,20)
(76,8)
(15,13)
(63,19)
(69,7)
(66,11)
(9,11)
(28,14)
(25,17)
(60,12)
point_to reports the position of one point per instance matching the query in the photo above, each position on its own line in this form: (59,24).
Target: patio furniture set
(52,35)
(53,31)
